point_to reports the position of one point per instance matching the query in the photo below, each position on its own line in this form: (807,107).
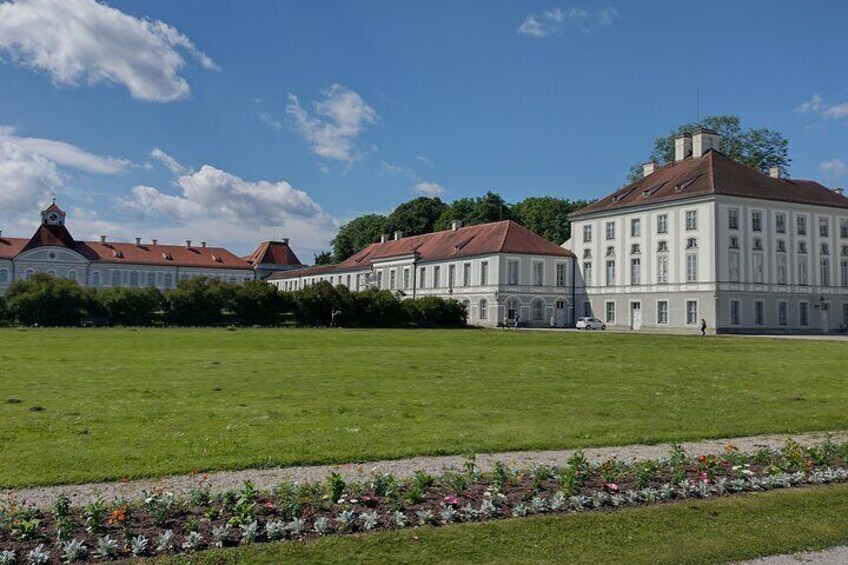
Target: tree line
(44,300)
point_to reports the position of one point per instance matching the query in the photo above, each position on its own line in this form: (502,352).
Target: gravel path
(266,478)
(832,556)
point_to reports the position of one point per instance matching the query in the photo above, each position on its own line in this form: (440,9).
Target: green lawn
(155,402)
(688,532)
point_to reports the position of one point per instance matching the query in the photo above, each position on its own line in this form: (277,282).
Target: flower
(612,487)
(451,500)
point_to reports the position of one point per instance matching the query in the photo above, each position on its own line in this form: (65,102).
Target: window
(512,273)
(466,274)
(824,267)
(380,279)
(757,260)
(691,243)
(538,311)
(95,278)
(587,253)
(691,312)
(451,276)
(780,222)
(662,269)
(844,272)
(733,218)
(803,273)
(587,273)
(662,312)
(610,251)
(635,271)
(635,227)
(781,246)
(843,229)
(845,314)
(610,227)
(72,275)
(406,281)
(781,269)
(824,228)
(801,225)
(691,219)
(610,273)
(116,278)
(392,279)
(757,220)
(587,309)
(609,308)
(662,223)
(422,278)
(758,244)
(782,314)
(691,267)
(4,276)
(804,313)
(734,262)
(484,309)
(28,274)
(734,242)
(437,271)
(845,250)
(587,234)
(760,313)
(635,249)
(484,273)
(662,247)
(734,313)
(825,249)
(169,280)
(151,279)
(560,274)
(512,308)
(802,247)
(538,273)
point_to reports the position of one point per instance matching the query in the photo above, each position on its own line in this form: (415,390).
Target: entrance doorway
(560,314)
(635,315)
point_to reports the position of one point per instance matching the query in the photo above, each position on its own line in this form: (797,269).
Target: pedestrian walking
(703,327)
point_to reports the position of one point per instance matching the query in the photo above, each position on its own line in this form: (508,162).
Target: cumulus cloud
(66,154)
(834,167)
(27,181)
(84,40)
(425,188)
(170,163)
(339,119)
(557,20)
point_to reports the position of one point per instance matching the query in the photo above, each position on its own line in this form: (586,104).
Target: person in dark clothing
(703,327)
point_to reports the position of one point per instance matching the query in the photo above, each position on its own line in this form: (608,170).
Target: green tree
(475,211)
(547,216)
(5,316)
(130,306)
(46,301)
(417,216)
(760,148)
(199,301)
(257,303)
(358,234)
(323,258)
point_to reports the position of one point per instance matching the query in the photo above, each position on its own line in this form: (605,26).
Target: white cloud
(836,111)
(818,106)
(834,167)
(812,105)
(424,159)
(340,117)
(267,118)
(66,154)
(425,188)
(27,181)
(557,20)
(170,163)
(76,40)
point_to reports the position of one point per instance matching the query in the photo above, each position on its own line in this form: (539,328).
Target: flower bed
(162,523)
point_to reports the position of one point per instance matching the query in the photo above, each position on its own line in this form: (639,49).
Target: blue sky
(233,122)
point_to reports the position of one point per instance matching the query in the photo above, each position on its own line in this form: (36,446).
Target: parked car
(590,324)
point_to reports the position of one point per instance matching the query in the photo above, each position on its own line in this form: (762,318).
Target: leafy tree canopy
(324,258)
(357,234)
(417,216)
(547,216)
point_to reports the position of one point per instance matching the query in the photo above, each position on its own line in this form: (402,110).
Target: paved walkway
(832,556)
(266,478)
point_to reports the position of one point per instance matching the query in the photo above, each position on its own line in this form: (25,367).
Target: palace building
(54,251)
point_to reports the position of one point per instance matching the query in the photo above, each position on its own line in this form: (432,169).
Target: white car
(590,324)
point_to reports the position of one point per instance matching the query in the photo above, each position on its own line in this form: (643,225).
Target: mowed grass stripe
(156,402)
(687,532)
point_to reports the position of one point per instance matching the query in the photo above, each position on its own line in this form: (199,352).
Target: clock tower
(53,216)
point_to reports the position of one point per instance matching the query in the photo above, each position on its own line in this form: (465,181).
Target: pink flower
(612,487)
(269,506)
(452,500)
(705,478)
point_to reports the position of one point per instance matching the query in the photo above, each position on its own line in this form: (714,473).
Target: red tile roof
(497,237)
(273,253)
(57,236)
(11,246)
(714,173)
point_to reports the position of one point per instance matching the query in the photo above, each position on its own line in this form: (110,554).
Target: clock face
(52,217)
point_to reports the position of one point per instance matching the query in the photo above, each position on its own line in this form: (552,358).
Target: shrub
(130,306)
(257,303)
(199,301)
(45,301)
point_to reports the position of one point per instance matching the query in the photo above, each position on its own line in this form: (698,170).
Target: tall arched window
(538,310)
(95,278)
(512,308)
(51,272)
(484,309)
(28,274)
(72,275)
(4,276)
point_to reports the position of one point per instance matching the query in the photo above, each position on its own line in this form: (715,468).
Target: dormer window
(662,247)
(734,242)
(217,259)
(692,243)
(167,257)
(634,249)
(758,244)
(118,254)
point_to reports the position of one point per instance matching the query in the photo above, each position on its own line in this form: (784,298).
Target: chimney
(188,244)
(774,172)
(155,242)
(203,244)
(456,224)
(682,147)
(649,168)
(703,140)
(285,241)
(398,234)
(103,239)
(384,238)
(137,241)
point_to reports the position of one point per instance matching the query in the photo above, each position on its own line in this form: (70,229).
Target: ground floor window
(610,312)
(539,311)
(587,309)
(484,309)
(804,313)
(845,314)
(734,313)
(691,312)
(759,313)
(782,314)
(662,312)
(511,308)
